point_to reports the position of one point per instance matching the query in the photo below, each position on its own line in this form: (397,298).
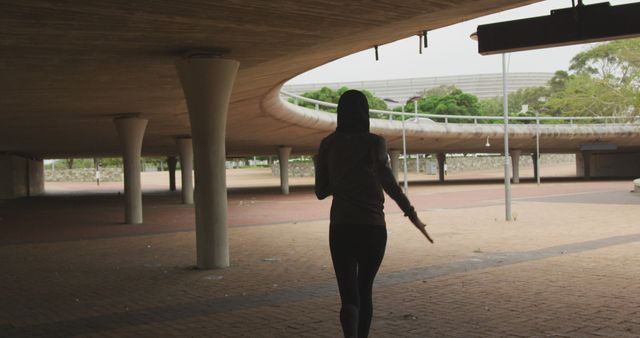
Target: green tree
(446,100)
(326,94)
(606,82)
(584,95)
(617,62)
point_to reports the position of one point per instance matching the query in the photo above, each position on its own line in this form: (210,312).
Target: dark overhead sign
(579,24)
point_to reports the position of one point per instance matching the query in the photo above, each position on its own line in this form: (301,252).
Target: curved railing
(435,118)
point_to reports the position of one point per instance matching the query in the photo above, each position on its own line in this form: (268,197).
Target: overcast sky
(450,52)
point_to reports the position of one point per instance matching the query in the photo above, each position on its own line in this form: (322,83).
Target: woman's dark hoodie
(353,165)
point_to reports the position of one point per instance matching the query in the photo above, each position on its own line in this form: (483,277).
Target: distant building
(482,85)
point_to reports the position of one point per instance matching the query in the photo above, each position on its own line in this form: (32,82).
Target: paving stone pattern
(564,268)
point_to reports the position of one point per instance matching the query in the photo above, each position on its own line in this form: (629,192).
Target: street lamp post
(505,110)
(537,147)
(404,154)
(404,138)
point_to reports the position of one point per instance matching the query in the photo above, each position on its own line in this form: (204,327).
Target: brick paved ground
(567,267)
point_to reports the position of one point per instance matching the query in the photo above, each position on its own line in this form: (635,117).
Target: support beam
(583,164)
(131,132)
(35,177)
(20,176)
(207,82)
(171,165)
(536,169)
(283,158)
(185,149)
(515,164)
(394,157)
(442,162)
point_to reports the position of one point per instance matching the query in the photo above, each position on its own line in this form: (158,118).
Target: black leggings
(356,251)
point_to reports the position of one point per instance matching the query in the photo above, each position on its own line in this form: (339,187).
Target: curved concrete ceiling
(68,67)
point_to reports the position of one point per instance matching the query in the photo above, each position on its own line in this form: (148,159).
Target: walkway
(567,267)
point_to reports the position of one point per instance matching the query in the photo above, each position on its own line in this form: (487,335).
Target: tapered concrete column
(207,82)
(394,157)
(171,163)
(583,164)
(283,158)
(442,161)
(131,131)
(185,149)
(515,164)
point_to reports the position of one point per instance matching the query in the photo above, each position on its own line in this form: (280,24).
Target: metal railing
(474,119)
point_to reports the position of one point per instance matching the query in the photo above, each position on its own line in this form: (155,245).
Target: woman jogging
(352,165)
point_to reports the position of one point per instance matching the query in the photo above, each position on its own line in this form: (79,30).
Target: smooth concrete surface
(615,164)
(583,164)
(35,177)
(207,83)
(442,162)
(283,160)
(610,164)
(171,165)
(20,176)
(121,63)
(96,58)
(13,183)
(185,148)
(131,132)
(394,158)
(515,166)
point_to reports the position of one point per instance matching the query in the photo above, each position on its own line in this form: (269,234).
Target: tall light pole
(538,147)
(404,137)
(505,110)
(542,100)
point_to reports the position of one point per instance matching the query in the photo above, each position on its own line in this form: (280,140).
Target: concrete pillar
(586,160)
(207,82)
(515,165)
(20,176)
(185,149)
(394,156)
(283,158)
(442,161)
(35,177)
(171,165)
(131,132)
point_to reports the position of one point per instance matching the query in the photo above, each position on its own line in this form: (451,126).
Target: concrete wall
(610,164)
(20,176)
(454,164)
(36,177)
(83,175)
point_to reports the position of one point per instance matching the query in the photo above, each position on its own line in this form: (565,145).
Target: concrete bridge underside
(69,67)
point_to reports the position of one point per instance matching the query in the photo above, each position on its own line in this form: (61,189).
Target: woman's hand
(421,226)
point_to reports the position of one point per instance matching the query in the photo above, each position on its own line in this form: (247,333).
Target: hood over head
(353,112)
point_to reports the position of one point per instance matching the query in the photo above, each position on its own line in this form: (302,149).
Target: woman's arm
(387,180)
(322,184)
(391,187)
